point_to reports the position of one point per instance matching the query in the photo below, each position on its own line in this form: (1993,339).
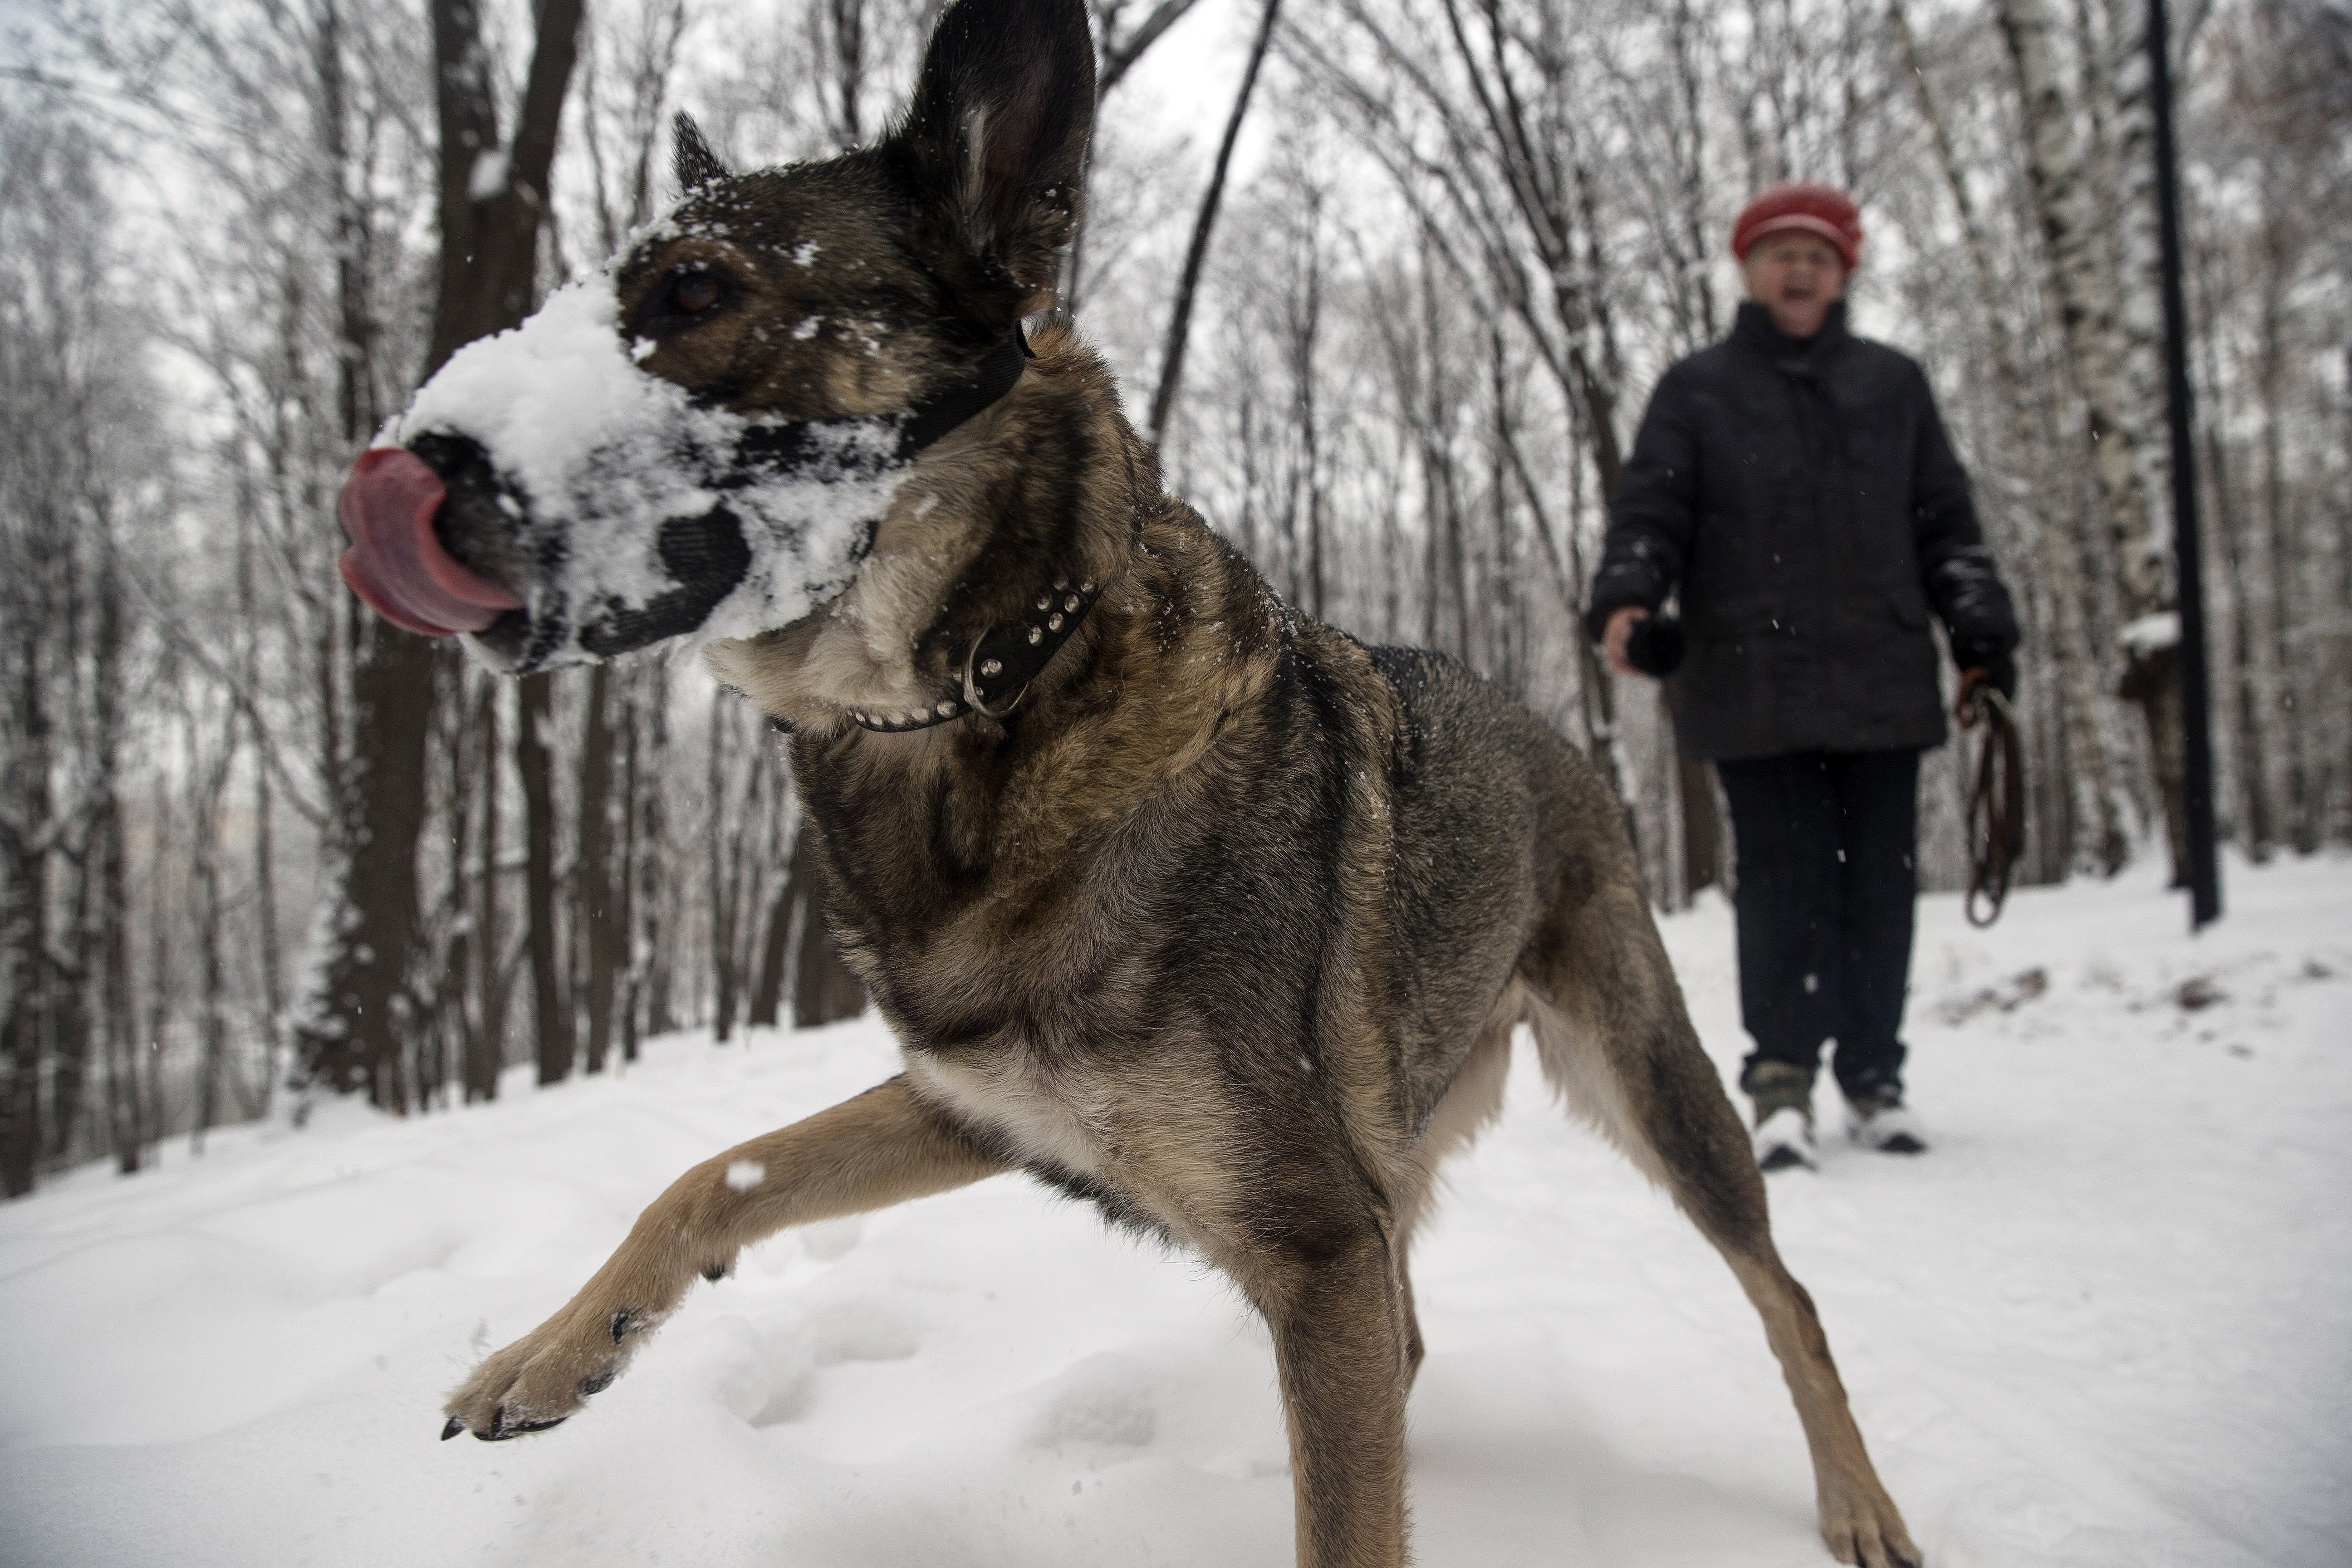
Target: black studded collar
(1000,662)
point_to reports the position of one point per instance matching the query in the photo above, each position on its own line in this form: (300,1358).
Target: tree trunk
(159,972)
(624,879)
(490,206)
(492,196)
(211,964)
(273,959)
(822,987)
(487,1054)
(492,202)
(1196,254)
(552,1009)
(2278,645)
(126,1123)
(2117,424)
(25,978)
(655,880)
(775,948)
(595,881)
(726,873)
(1702,813)
(71,1029)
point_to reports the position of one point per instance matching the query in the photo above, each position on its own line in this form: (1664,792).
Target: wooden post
(2203,871)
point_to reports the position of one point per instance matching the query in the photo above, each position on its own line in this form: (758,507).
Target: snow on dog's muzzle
(553,503)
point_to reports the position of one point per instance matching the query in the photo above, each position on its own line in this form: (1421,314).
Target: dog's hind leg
(881,1148)
(1469,1106)
(1613,1036)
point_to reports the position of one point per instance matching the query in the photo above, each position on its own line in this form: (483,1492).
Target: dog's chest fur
(1064,1117)
(1145,1146)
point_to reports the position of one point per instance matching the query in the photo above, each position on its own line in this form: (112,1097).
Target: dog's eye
(695,293)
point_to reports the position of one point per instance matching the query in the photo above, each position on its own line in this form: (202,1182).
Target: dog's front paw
(542,1379)
(1865,1529)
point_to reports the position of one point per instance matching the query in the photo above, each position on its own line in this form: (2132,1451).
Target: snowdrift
(2107,1321)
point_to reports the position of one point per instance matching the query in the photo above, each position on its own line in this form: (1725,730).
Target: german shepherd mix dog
(1175,899)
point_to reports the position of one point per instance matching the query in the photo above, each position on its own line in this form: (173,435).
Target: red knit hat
(1817,209)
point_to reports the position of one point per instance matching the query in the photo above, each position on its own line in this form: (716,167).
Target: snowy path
(2108,1322)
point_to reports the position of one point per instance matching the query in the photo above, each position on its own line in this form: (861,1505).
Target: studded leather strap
(1002,662)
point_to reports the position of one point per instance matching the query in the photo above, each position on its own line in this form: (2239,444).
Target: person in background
(1793,486)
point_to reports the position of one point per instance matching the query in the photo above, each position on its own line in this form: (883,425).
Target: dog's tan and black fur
(1227,925)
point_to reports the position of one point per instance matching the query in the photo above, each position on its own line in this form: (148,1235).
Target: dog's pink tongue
(396,563)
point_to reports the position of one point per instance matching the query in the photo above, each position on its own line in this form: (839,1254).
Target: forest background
(1390,279)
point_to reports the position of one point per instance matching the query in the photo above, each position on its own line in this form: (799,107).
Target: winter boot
(1784,1114)
(1881,1122)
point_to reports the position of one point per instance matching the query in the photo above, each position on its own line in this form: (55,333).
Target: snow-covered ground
(2107,1321)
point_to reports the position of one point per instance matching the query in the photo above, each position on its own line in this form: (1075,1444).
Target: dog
(1175,899)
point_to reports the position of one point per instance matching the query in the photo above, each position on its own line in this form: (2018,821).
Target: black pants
(1826,843)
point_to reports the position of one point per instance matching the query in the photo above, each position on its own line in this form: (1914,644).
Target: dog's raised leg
(1616,1039)
(884,1147)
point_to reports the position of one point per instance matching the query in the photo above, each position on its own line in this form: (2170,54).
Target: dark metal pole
(2204,872)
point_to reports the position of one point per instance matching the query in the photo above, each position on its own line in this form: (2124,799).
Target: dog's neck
(949,618)
(985,664)
(936,416)
(1002,660)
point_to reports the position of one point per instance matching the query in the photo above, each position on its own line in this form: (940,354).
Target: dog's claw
(500,1431)
(620,1326)
(452,1429)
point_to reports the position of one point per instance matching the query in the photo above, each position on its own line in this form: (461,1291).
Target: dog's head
(705,439)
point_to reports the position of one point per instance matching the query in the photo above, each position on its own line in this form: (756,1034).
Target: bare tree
(67,390)
(493,196)
(1180,316)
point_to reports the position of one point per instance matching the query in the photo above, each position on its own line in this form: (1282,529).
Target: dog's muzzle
(393,507)
(553,503)
(773,520)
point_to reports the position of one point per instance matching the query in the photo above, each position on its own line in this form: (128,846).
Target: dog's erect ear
(997,135)
(696,163)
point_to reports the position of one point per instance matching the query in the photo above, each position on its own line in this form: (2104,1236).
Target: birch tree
(2118,422)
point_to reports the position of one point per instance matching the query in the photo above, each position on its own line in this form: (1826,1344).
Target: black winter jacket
(1803,497)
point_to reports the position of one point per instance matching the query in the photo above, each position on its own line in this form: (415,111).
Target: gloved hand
(1981,666)
(1999,665)
(1655,646)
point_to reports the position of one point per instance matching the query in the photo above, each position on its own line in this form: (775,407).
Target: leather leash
(1996,814)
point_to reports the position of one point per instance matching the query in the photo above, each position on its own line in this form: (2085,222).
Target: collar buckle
(1002,662)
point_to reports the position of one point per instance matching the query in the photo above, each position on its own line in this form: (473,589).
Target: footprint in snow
(860,1331)
(1104,1401)
(799,1346)
(829,1240)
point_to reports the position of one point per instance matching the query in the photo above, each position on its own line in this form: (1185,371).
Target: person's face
(1795,275)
